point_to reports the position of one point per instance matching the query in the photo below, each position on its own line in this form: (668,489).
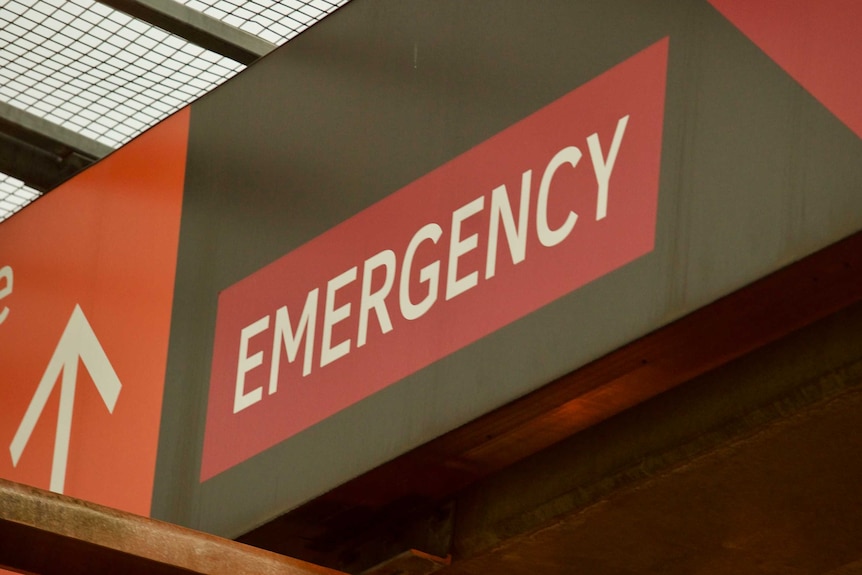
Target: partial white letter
(241,399)
(376,300)
(501,209)
(569,155)
(6,290)
(458,247)
(429,274)
(284,336)
(602,167)
(333,315)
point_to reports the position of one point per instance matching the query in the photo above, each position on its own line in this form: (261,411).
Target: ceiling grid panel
(108,76)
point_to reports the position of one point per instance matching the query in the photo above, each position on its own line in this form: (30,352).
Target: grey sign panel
(755,174)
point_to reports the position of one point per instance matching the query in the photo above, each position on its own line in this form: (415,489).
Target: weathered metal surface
(47,533)
(410,562)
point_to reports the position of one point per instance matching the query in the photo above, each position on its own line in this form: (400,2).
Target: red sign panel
(551,203)
(818,42)
(86,288)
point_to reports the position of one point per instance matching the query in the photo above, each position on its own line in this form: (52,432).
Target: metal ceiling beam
(52,534)
(196,27)
(40,153)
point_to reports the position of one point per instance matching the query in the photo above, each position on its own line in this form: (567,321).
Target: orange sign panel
(86,288)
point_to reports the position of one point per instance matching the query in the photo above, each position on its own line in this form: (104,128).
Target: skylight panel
(274,21)
(14,195)
(98,54)
(108,76)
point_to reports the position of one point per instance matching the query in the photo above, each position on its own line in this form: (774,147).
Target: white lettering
(332,316)
(516,237)
(568,155)
(6,290)
(288,339)
(379,271)
(243,399)
(376,300)
(458,247)
(430,274)
(602,167)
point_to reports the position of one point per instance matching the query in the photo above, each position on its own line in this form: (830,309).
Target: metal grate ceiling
(108,76)
(275,22)
(14,195)
(98,71)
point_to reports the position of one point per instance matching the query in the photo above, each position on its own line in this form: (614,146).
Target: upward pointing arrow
(77,341)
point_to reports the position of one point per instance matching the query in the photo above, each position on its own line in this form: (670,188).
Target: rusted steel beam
(196,27)
(46,533)
(411,562)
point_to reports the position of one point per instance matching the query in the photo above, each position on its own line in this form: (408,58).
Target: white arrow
(77,341)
